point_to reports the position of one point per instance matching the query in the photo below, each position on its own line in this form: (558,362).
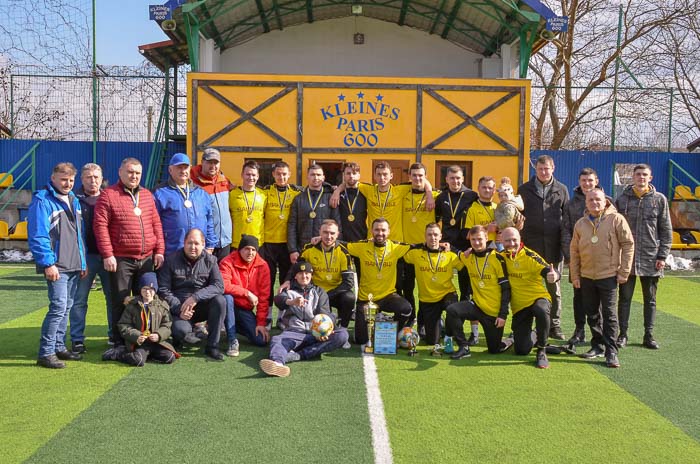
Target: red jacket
(210,185)
(120,232)
(240,277)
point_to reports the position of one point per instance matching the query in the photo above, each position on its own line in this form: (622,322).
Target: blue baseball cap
(179,158)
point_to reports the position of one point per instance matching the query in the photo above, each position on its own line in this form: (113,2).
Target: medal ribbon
(249,208)
(328,265)
(482,271)
(437,262)
(351,206)
(282,201)
(313,205)
(134,198)
(595,224)
(487,211)
(415,211)
(379,199)
(453,211)
(185,193)
(376,259)
(145,317)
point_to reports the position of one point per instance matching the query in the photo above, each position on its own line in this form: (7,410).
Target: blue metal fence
(50,153)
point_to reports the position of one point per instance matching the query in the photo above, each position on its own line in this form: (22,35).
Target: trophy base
(412,352)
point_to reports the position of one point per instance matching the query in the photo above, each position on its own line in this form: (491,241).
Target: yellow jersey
(480,214)
(486,274)
(387,205)
(415,217)
(247,211)
(434,272)
(377,267)
(525,275)
(328,265)
(277,206)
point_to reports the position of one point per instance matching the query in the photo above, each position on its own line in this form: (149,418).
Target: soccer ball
(321,326)
(408,337)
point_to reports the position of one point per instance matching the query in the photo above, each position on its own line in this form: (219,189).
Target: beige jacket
(610,256)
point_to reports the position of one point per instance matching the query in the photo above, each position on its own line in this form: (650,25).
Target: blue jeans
(61,296)
(242,322)
(79,310)
(230,321)
(305,344)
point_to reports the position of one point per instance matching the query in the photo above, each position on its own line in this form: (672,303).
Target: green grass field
(482,409)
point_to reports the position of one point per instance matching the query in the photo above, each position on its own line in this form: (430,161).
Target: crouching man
(301,302)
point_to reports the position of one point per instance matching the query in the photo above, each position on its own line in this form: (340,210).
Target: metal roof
(481,26)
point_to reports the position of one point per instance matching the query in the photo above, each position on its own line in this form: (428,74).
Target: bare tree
(572,71)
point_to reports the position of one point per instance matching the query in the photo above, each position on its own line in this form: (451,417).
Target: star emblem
(380,97)
(360,95)
(341,97)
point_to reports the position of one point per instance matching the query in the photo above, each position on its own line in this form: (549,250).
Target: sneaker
(66,355)
(51,362)
(110,341)
(611,360)
(114,354)
(556,333)
(578,338)
(622,340)
(347,346)
(233,349)
(292,356)
(274,369)
(473,340)
(506,344)
(78,347)
(421,331)
(542,361)
(191,339)
(593,353)
(650,343)
(213,353)
(462,352)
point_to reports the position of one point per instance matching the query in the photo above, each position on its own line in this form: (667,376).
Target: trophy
(436,351)
(413,341)
(370,310)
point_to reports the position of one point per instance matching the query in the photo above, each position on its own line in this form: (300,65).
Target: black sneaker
(78,347)
(66,355)
(51,362)
(611,360)
(542,361)
(462,352)
(473,340)
(578,338)
(214,353)
(650,343)
(622,340)
(191,339)
(556,333)
(593,353)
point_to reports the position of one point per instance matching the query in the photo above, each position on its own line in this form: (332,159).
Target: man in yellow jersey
(434,271)
(378,259)
(277,206)
(247,205)
(529,296)
(602,252)
(482,213)
(308,211)
(490,296)
(333,270)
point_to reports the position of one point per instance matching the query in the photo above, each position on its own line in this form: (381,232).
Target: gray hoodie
(298,318)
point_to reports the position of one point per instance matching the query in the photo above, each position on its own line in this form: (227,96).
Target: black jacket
(301,227)
(454,234)
(543,218)
(179,279)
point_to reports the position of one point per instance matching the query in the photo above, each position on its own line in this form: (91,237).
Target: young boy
(145,325)
(301,302)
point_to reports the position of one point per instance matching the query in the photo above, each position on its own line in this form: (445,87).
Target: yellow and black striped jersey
(277,205)
(387,205)
(247,210)
(415,217)
(480,214)
(328,265)
(485,276)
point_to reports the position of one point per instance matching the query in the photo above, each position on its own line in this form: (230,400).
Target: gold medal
(434,278)
(414,219)
(453,221)
(379,275)
(481,284)
(281,216)
(249,219)
(329,277)
(312,214)
(137,211)
(516,264)
(594,239)
(351,217)
(146,333)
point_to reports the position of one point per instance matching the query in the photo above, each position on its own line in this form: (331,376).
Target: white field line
(380,434)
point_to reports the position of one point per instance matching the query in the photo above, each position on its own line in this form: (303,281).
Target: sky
(123,25)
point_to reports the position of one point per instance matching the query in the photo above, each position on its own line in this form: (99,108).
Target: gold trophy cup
(370,310)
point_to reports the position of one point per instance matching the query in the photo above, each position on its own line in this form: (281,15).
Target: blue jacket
(178,220)
(56,233)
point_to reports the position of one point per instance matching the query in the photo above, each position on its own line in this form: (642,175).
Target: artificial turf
(485,408)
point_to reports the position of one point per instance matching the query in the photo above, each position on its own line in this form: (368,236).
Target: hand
(298,301)
(445,245)
(84,273)
(157,261)
(324,338)
(262,330)
(552,274)
(110,264)
(52,274)
(315,240)
(660,264)
(576,283)
(429,201)
(283,287)
(520,223)
(293,257)
(500,322)
(467,252)
(621,280)
(154,337)
(252,298)
(335,197)
(210,251)
(186,314)
(492,227)
(140,340)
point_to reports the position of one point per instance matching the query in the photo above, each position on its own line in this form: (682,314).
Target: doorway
(398,167)
(332,169)
(441,172)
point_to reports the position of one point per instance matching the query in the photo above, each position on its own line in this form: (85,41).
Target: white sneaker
(233,349)
(292,356)
(273,368)
(347,346)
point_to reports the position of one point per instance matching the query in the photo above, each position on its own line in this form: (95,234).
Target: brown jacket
(610,256)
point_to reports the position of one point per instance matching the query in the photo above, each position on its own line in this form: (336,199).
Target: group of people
(199,257)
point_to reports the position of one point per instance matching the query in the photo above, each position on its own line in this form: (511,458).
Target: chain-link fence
(643,120)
